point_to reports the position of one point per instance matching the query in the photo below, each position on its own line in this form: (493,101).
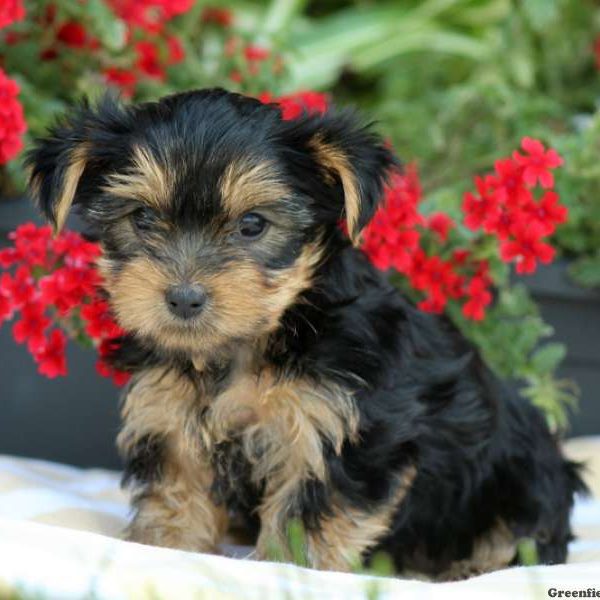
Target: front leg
(339,536)
(176,511)
(168,466)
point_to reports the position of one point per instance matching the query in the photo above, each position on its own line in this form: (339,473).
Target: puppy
(277,376)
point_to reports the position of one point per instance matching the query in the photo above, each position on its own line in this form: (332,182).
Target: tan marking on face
(245,186)
(146,180)
(244,302)
(176,511)
(333,159)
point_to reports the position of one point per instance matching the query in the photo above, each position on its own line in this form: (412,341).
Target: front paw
(169,537)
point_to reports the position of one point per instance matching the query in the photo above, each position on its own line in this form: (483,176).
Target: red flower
(294,105)
(548,213)
(478,208)
(502,221)
(6,308)
(122,78)
(385,253)
(256,53)
(441,223)
(72,34)
(460,257)
(176,51)
(148,60)
(31,327)
(100,323)
(527,248)
(9,257)
(11,11)
(437,279)
(537,163)
(479,298)
(391,239)
(31,243)
(76,251)
(172,8)
(433,274)
(510,182)
(67,287)
(19,289)
(50,357)
(435,302)
(150,15)
(12,123)
(103,367)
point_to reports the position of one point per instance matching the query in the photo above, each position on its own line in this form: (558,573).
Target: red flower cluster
(11,11)
(250,64)
(505,205)
(293,105)
(396,237)
(55,283)
(12,122)
(392,237)
(74,35)
(150,15)
(156,50)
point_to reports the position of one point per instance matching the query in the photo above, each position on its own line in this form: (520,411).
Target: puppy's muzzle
(185,301)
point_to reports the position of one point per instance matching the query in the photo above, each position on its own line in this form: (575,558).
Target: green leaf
(297,542)
(547,358)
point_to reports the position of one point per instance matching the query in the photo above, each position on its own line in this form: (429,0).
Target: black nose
(185,301)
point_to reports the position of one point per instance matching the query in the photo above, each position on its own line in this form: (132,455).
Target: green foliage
(510,339)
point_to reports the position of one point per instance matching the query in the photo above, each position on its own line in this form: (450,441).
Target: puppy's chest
(256,425)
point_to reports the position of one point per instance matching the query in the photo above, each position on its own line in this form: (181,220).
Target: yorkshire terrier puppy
(276,374)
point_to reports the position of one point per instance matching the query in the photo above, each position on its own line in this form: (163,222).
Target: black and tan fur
(305,386)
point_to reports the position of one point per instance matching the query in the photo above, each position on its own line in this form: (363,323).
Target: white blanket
(59,529)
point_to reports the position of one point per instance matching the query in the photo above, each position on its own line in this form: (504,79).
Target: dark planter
(574,313)
(72,419)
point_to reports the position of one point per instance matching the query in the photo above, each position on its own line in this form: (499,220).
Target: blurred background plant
(455,86)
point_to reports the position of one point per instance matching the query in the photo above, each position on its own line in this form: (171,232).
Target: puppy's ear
(351,154)
(59,162)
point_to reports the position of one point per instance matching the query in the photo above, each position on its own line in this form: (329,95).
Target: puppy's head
(211,209)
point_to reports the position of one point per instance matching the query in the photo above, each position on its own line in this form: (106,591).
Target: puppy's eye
(143,218)
(252,225)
